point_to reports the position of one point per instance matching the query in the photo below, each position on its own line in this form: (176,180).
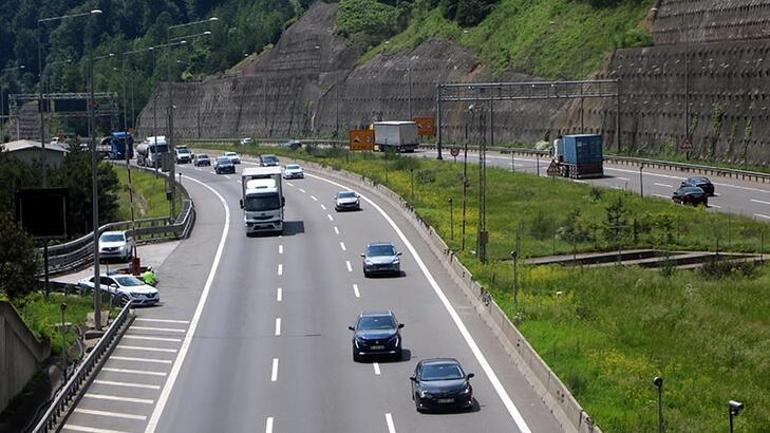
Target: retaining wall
(20,354)
(678,21)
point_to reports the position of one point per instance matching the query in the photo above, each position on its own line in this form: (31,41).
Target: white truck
(151,151)
(263,200)
(401,136)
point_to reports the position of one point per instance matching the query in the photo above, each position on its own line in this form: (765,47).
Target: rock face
(714,54)
(309,84)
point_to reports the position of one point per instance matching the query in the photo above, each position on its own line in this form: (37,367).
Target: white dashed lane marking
(350,268)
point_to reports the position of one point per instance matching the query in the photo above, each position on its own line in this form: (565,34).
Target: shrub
(18,259)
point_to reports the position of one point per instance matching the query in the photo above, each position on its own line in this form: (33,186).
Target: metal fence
(69,394)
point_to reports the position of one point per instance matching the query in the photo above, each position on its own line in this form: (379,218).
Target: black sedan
(381,258)
(690,195)
(701,182)
(376,333)
(223,164)
(441,383)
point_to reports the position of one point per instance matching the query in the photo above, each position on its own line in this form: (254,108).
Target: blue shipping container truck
(580,156)
(119,142)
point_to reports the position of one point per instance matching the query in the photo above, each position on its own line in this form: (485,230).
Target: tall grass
(149,194)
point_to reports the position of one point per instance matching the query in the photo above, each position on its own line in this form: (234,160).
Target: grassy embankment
(149,194)
(546,38)
(608,332)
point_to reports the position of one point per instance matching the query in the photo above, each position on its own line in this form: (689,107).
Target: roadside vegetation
(607,332)
(149,194)
(547,38)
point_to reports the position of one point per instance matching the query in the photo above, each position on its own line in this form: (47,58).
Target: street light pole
(734,408)
(2,101)
(94,168)
(658,382)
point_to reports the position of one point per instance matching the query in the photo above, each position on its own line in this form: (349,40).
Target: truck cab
(262,201)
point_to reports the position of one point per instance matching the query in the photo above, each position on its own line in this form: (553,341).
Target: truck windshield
(161,148)
(256,203)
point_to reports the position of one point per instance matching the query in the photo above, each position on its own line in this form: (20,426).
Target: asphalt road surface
(735,196)
(252,334)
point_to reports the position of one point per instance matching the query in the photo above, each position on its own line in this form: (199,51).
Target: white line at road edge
(389,422)
(482,360)
(164,395)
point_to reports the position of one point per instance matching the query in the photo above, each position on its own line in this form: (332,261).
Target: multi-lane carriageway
(252,333)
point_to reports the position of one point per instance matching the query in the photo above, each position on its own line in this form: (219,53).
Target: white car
(115,245)
(347,200)
(233,157)
(247,141)
(293,171)
(183,155)
(124,287)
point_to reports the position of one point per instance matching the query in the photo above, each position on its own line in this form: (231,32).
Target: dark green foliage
(467,13)
(18,259)
(367,22)
(717,268)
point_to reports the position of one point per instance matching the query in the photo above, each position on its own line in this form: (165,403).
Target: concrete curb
(544,381)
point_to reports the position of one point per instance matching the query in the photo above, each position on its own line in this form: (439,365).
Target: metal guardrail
(77,253)
(70,393)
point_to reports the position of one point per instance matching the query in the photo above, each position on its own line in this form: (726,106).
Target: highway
(735,196)
(252,333)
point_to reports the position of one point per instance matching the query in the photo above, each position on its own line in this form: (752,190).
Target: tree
(18,259)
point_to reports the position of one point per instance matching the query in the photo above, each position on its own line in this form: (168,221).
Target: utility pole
(410,89)
(482,217)
(94,185)
(438,121)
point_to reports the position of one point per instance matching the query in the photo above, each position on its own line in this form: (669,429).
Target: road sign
(553,169)
(361,139)
(686,143)
(454,151)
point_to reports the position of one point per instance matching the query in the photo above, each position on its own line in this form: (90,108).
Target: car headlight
(368,262)
(466,391)
(424,394)
(396,261)
(135,294)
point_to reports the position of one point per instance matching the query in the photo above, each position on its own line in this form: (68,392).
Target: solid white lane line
(147,328)
(110,414)
(128,358)
(715,206)
(350,268)
(227,176)
(145,319)
(166,392)
(355,291)
(75,427)
(274,372)
(118,398)
(342,245)
(661,196)
(760,215)
(269,425)
(330,217)
(760,201)
(280,269)
(389,422)
(314,198)
(301,190)
(126,384)
(624,179)
(289,183)
(144,337)
(376,366)
(129,371)
(280,249)
(323,207)
(663,185)
(513,411)
(277,326)
(148,349)
(279,295)
(336,230)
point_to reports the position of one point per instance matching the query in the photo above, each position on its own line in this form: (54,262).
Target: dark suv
(376,333)
(701,182)
(268,161)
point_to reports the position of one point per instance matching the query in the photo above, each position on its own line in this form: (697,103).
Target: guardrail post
(641,181)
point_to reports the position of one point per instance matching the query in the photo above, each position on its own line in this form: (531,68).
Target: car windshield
(223,159)
(128,281)
(292,167)
(347,194)
(441,372)
(112,237)
(376,322)
(231,154)
(380,250)
(258,203)
(183,150)
(203,157)
(699,180)
(269,159)
(692,190)
(160,148)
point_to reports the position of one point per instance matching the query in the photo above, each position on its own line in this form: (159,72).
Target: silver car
(234,157)
(115,245)
(124,287)
(347,200)
(381,258)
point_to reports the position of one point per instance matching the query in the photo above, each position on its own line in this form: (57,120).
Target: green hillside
(547,38)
